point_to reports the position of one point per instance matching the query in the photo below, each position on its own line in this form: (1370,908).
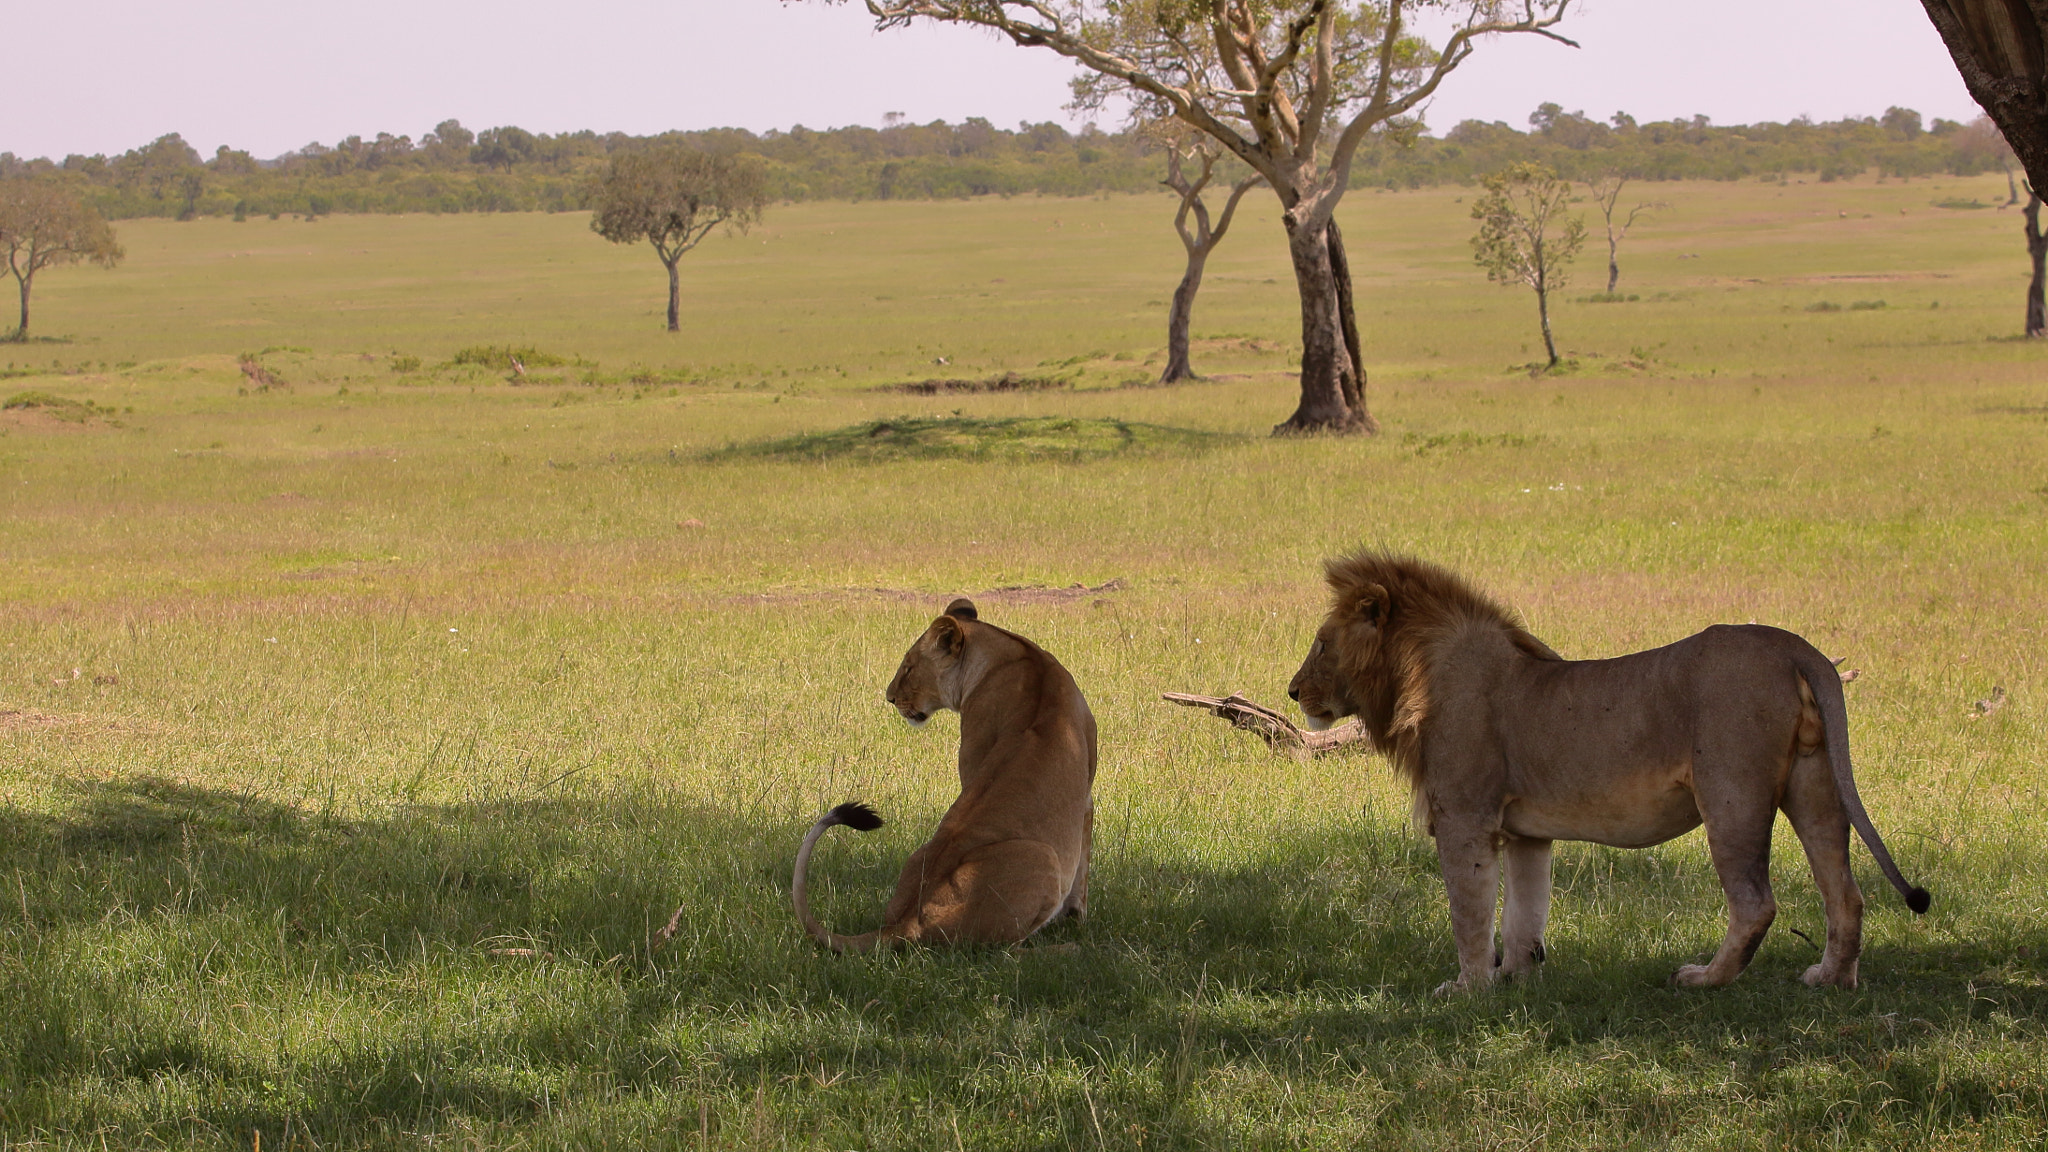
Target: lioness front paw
(1818,975)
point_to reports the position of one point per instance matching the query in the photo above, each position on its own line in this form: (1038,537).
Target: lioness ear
(950,637)
(1374,604)
(963,608)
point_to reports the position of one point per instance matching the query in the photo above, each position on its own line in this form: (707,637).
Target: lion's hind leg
(1738,821)
(1817,816)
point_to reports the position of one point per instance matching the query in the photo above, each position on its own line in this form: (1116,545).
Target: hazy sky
(270,76)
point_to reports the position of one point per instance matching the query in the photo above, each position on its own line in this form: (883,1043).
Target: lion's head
(1372,656)
(926,682)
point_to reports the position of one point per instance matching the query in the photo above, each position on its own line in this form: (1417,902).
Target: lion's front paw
(1818,975)
(1449,988)
(1691,976)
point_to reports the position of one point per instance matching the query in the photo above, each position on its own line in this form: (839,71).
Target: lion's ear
(963,608)
(946,631)
(1373,604)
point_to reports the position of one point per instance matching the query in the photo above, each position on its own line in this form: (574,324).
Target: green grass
(360,731)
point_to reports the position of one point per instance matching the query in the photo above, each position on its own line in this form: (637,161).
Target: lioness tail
(1826,685)
(854,815)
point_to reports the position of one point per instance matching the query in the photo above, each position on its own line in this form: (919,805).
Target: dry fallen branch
(1276,730)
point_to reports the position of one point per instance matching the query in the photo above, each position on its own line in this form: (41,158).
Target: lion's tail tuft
(1918,900)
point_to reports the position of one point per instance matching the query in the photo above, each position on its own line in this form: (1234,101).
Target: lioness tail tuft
(1918,900)
(862,818)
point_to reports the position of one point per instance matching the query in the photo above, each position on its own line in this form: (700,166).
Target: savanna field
(367,703)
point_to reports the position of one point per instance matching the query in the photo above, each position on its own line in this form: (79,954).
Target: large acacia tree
(44,222)
(1289,87)
(672,198)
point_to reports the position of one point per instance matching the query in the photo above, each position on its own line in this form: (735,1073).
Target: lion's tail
(1826,685)
(856,816)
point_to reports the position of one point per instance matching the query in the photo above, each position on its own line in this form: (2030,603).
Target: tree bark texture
(1543,313)
(1329,381)
(1613,269)
(675,293)
(2037,254)
(1997,46)
(1340,273)
(1181,318)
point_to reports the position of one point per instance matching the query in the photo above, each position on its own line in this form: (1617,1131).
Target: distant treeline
(508,169)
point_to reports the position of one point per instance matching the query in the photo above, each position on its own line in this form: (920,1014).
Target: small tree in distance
(1524,235)
(43,222)
(1606,192)
(672,198)
(1199,240)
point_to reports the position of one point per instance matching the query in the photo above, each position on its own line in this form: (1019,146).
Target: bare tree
(1291,88)
(672,198)
(1523,202)
(1199,240)
(42,223)
(1606,192)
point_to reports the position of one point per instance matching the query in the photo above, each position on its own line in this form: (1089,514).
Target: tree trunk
(674,298)
(1340,272)
(2037,251)
(1997,47)
(1613,269)
(1327,379)
(1178,367)
(21,331)
(1543,312)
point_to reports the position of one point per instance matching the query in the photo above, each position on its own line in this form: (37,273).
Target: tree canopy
(43,223)
(1524,235)
(672,198)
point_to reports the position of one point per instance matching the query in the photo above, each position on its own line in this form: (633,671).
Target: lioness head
(924,683)
(1349,639)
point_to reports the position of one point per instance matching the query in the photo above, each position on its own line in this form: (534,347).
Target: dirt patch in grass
(1007,382)
(33,720)
(968,438)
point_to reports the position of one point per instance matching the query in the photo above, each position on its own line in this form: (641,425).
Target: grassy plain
(321,702)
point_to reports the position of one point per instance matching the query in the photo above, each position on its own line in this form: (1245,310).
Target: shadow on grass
(970,438)
(185,957)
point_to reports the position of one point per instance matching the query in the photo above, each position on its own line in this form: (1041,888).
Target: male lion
(1011,854)
(1509,746)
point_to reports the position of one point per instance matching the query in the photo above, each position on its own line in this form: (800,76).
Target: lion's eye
(1317,649)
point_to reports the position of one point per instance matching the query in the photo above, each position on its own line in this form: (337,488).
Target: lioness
(1011,854)
(1509,746)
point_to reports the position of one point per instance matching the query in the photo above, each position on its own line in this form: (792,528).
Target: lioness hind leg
(1739,839)
(1525,909)
(999,894)
(1815,809)
(1076,904)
